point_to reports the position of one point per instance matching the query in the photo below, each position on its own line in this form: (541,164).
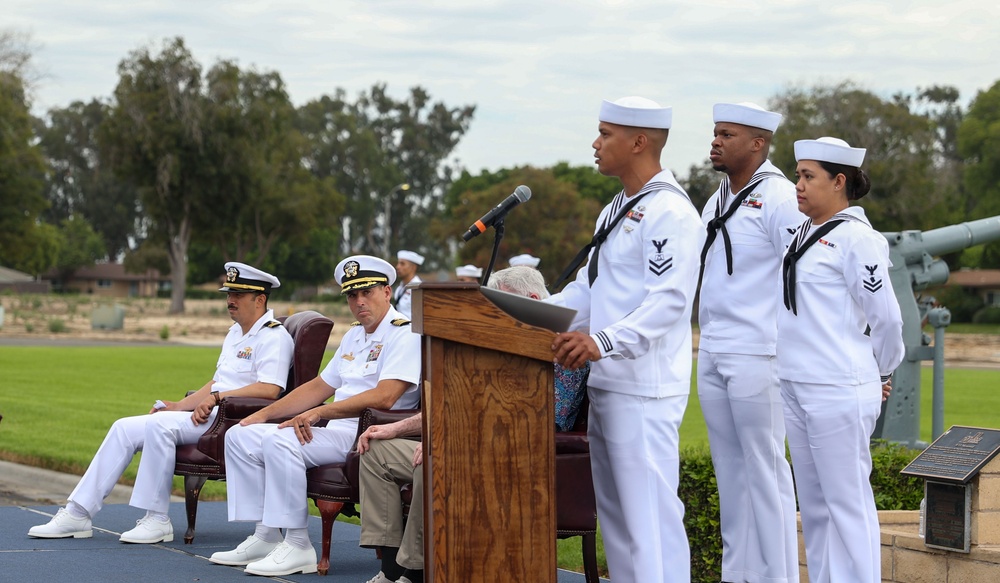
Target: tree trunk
(177,254)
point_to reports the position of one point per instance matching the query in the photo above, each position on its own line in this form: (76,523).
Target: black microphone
(521,194)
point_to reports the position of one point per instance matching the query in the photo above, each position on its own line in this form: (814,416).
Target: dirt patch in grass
(204,322)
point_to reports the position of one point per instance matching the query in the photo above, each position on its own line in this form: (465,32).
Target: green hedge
(699,493)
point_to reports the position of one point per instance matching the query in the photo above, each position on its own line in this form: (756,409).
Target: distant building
(984,282)
(22,283)
(110,280)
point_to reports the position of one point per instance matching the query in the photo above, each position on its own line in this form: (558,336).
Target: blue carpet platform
(102,559)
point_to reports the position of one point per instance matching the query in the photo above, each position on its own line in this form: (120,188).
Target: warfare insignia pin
(349,356)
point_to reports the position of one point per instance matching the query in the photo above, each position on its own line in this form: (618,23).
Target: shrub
(987,315)
(57,326)
(165,332)
(962,303)
(700,494)
(894,491)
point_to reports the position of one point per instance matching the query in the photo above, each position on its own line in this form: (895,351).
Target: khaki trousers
(384,468)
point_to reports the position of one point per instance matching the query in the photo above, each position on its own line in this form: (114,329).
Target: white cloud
(536,70)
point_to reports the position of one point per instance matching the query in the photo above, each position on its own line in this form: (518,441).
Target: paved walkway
(30,496)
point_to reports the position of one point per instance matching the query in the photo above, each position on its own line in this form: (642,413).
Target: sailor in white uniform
(750,220)
(839,340)
(524,259)
(376,365)
(469,273)
(407,263)
(254,362)
(634,299)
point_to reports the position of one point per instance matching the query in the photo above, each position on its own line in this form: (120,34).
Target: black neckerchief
(718,223)
(611,220)
(795,252)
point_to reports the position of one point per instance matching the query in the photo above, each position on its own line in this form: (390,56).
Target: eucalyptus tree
(374,145)
(902,160)
(259,191)
(155,136)
(24,244)
(79,183)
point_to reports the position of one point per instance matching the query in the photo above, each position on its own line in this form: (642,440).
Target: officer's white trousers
(157,436)
(266,471)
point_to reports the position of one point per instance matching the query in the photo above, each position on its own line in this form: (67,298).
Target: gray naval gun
(915,268)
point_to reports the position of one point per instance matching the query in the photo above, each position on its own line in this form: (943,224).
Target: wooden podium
(489,465)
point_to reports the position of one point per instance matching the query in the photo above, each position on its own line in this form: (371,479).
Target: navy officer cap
(241,277)
(362,272)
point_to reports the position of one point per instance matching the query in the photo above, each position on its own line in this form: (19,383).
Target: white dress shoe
(380,578)
(404,579)
(149,530)
(285,560)
(63,525)
(250,550)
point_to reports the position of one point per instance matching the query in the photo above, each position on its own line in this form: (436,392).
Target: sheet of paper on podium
(530,311)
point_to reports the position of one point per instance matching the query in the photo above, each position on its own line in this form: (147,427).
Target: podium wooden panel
(489,465)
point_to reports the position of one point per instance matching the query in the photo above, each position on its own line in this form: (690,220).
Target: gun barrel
(912,244)
(957,237)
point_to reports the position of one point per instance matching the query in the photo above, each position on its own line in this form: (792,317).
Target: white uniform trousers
(746,430)
(384,468)
(636,466)
(157,436)
(266,471)
(829,428)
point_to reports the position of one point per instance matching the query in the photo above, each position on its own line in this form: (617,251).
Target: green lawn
(58,402)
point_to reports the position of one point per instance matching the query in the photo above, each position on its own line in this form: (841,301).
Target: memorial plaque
(947,517)
(956,456)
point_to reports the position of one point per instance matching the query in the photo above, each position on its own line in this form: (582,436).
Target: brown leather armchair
(576,506)
(335,488)
(205,459)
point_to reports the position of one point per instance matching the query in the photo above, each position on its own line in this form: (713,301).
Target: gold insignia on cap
(351,269)
(232,274)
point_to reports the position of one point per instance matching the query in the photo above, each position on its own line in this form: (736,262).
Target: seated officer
(255,359)
(390,461)
(377,365)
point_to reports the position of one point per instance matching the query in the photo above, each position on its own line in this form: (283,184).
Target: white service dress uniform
(831,374)
(402,296)
(262,355)
(266,466)
(738,383)
(639,314)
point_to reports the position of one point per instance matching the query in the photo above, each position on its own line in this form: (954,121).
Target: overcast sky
(535,70)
